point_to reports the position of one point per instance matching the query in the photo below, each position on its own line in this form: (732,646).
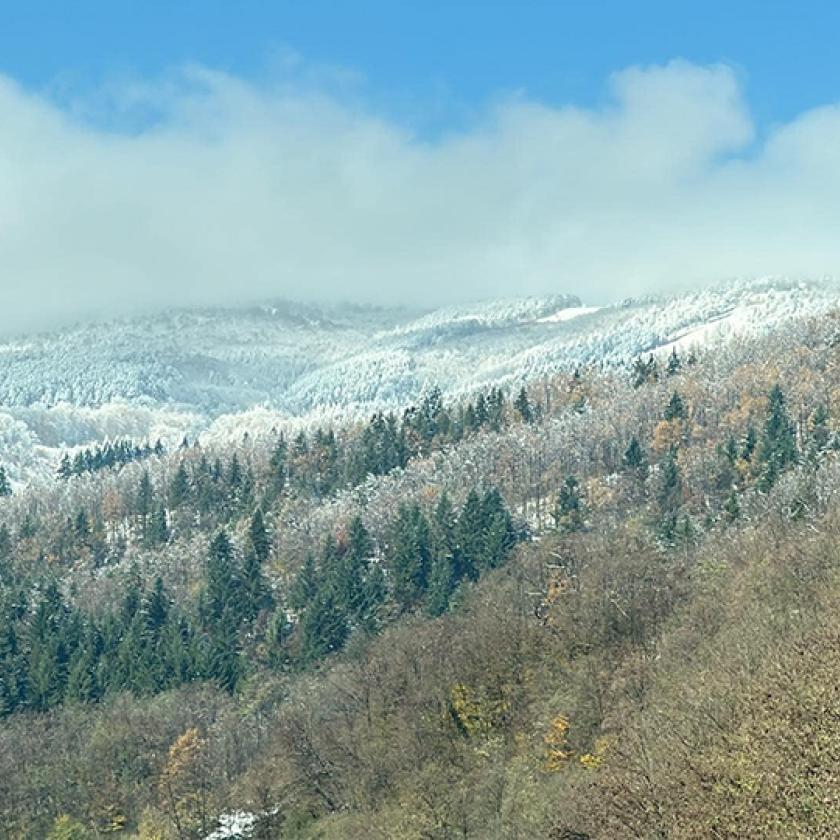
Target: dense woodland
(600,606)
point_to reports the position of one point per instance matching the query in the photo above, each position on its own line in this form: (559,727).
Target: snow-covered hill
(217,371)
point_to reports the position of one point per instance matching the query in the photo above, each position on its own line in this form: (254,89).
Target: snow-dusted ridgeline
(218,372)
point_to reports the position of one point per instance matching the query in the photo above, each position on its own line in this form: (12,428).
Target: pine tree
(5,485)
(157,533)
(568,511)
(444,523)
(443,573)
(234,480)
(778,443)
(65,468)
(323,629)
(179,489)
(732,507)
(258,537)
(277,465)
(675,410)
(348,571)
(523,406)
(81,527)
(635,459)
(482,416)
(669,491)
(644,371)
(81,680)
(469,538)
(225,665)
(131,596)
(359,542)
(375,593)
(305,587)
(155,610)
(410,556)
(143,502)
(727,475)
(256,594)
(674,363)
(819,432)
(497,533)
(441,585)
(749,445)
(496,408)
(223,588)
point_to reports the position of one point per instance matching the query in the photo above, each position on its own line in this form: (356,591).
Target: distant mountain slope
(180,371)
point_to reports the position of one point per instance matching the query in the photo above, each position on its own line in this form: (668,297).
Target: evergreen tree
(305,587)
(349,569)
(256,594)
(444,524)
(568,510)
(81,527)
(375,593)
(635,459)
(727,474)
(819,437)
(258,537)
(323,629)
(81,681)
(497,533)
(675,410)
(496,408)
(359,542)
(732,507)
(234,480)
(7,572)
(669,491)
(223,588)
(65,468)
(157,533)
(131,596)
(749,445)
(482,416)
(277,465)
(674,363)
(410,556)
(441,585)
(443,573)
(778,443)
(644,371)
(523,406)
(5,485)
(179,489)
(469,542)
(225,665)
(48,651)
(143,502)
(155,610)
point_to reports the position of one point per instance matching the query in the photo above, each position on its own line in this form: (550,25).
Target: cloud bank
(225,191)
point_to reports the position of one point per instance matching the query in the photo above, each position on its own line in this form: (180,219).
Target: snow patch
(568,314)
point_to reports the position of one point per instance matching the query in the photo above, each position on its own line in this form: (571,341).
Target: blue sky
(182,153)
(430,63)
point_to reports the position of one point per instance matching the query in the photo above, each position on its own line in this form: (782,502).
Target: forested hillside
(602,605)
(211,374)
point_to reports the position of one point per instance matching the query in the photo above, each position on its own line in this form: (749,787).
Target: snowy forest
(600,604)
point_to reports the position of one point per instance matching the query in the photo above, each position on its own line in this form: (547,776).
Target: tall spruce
(778,449)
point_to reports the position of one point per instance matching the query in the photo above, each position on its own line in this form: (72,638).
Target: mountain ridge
(187,371)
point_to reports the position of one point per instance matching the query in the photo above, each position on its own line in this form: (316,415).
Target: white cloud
(227,191)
